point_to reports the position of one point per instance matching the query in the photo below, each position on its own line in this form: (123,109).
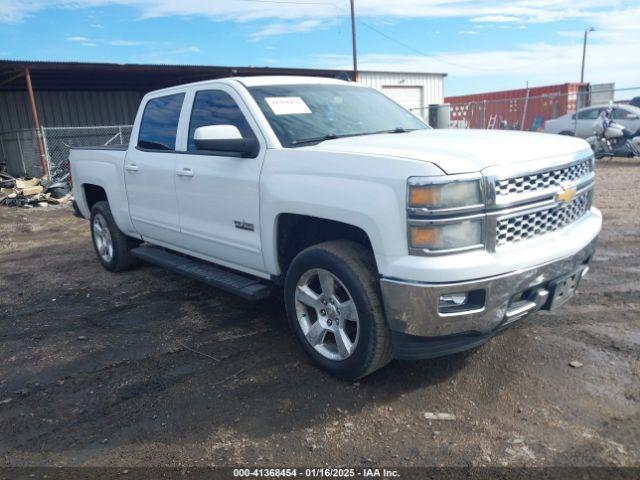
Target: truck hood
(459,151)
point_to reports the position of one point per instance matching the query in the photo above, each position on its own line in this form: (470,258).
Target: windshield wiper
(395,130)
(333,136)
(328,136)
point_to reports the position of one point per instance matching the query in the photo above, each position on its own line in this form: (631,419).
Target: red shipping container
(513,108)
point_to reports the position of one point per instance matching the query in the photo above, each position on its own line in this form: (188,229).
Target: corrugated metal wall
(432,84)
(68,109)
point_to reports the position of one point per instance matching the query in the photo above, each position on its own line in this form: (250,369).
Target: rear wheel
(110,244)
(333,303)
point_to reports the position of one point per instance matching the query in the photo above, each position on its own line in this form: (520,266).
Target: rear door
(149,170)
(218,193)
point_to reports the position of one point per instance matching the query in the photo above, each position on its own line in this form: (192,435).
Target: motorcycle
(612,139)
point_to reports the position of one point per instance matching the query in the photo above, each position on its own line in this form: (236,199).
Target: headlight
(444,194)
(445,214)
(455,235)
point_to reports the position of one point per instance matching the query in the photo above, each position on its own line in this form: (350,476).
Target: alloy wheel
(327,314)
(102,238)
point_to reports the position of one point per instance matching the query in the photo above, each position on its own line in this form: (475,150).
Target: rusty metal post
(36,124)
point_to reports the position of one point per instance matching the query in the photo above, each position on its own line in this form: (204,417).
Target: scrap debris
(32,192)
(439,416)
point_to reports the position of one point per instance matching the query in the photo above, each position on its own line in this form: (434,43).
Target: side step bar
(246,287)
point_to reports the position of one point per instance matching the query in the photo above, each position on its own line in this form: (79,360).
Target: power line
(339,7)
(406,45)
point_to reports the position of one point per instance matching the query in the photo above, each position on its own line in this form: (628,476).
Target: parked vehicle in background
(580,124)
(390,239)
(612,139)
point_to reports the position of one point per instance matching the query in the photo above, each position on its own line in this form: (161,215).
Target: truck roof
(258,81)
(262,80)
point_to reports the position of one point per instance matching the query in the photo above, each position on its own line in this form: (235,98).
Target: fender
(105,170)
(358,190)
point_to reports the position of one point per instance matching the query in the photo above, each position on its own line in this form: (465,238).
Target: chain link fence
(19,153)
(58,141)
(529,112)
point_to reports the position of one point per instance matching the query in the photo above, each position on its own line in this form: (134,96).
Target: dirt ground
(99,368)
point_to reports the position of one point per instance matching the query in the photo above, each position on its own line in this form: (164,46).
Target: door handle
(132,167)
(185,172)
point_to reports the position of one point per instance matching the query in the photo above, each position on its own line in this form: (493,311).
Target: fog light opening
(453,299)
(461,302)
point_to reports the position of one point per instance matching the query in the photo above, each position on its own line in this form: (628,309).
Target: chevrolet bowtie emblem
(566,195)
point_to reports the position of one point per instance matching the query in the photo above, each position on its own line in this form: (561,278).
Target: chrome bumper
(412,308)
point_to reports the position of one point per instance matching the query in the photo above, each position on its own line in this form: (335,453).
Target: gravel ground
(100,369)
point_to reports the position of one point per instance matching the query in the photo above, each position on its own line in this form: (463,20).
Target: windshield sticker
(287,105)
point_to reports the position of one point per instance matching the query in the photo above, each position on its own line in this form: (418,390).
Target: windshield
(306,114)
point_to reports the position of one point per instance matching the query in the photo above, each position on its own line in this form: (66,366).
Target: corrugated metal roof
(86,76)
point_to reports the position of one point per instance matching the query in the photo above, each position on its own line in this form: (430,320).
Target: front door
(586,119)
(627,118)
(218,193)
(149,171)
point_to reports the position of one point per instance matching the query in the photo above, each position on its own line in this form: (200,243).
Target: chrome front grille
(533,224)
(542,180)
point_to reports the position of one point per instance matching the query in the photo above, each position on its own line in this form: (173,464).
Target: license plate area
(562,289)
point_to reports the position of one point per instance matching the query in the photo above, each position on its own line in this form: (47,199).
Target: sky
(482,45)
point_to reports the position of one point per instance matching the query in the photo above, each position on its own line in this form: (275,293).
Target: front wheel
(333,302)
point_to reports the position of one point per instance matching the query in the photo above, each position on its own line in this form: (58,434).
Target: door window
(215,107)
(589,114)
(621,114)
(159,124)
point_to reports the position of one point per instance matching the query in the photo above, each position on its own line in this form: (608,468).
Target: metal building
(414,91)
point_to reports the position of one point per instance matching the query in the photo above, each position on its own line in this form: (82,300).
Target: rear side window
(215,107)
(159,124)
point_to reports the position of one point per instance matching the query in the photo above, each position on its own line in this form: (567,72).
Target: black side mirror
(245,147)
(225,138)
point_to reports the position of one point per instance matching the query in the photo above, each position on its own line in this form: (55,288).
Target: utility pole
(584,51)
(353,42)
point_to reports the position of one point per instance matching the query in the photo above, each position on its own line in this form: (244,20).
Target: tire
(567,133)
(119,256)
(76,210)
(355,277)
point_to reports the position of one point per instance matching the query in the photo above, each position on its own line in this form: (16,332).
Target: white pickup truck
(390,239)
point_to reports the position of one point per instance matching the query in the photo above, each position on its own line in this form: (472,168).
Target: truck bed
(102,147)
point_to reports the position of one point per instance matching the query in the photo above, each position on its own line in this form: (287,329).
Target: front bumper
(412,308)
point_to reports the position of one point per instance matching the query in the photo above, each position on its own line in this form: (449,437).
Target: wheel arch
(93,194)
(295,232)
